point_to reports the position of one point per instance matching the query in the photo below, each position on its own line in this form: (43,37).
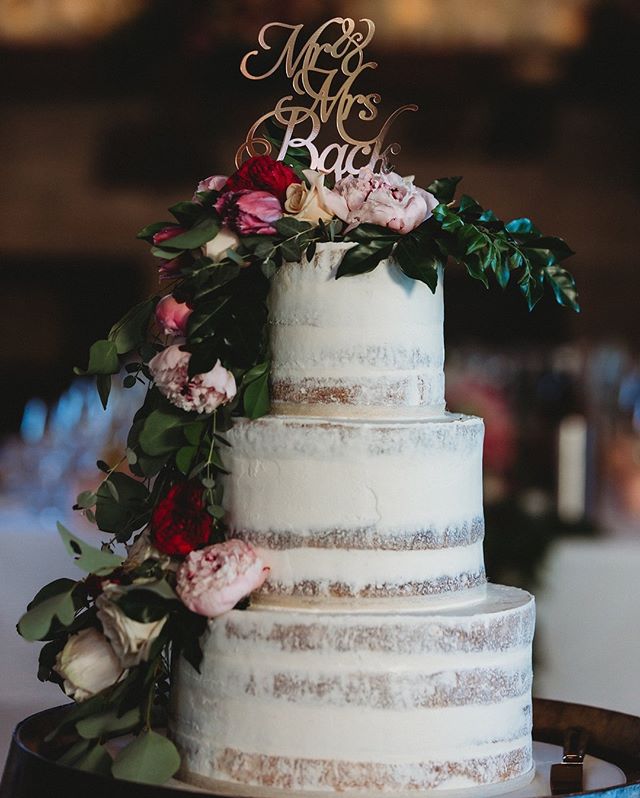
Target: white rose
(131,640)
(218,246)
(87,665)
(308,204)
(142,550)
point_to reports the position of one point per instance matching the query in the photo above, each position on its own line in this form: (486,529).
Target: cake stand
(31,770)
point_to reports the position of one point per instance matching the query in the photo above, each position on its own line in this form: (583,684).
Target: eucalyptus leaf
(162,433)
(121,505)
(86,557)
(288,227)
(368,253)
(149,759)
(36,622)
(71,755)
(95,760)
(103,385)
(184,458)
(107,722)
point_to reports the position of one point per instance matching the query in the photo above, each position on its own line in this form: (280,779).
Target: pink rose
(387,200)
(172,316)
(212,580)
(201,393)
(213,183)
(249,212)
(168,232)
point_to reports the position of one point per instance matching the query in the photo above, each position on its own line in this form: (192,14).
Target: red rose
(180,522)
(262,173)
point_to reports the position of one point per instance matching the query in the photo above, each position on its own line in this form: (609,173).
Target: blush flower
(180,522)
(212,581)
(249,212)
(263,173)
(201,393)
(172,316)
(387,200)
(213,183)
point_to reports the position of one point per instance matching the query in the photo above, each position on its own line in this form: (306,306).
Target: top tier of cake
(373,348)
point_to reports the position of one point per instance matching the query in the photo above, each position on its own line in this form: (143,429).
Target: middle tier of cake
(345,509)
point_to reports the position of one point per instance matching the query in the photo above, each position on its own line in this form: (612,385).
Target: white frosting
(346,502)
(373,339)
(375,659)
(389,688)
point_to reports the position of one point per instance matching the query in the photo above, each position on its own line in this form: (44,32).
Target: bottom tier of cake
(361,702)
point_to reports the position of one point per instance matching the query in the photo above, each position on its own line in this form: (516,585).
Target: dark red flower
(180,522)
(262,173)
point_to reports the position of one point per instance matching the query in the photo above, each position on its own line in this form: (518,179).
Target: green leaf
(145,606)
(216,511)
(193,432)
(71,755)
(128,333)
(419,260)
(204,315)
(502,271)
(149,759)
(85,499)
(310,251)
(374,244)
(47,659)
(95,760)
(256,396)
(121,506)
(184,459)
(86,557)
(36,622)
(201,232)
(107,722)
(186,212)
(161,433)
(467,204)
(288,226)
(103,384)
(563,285)
(523,225)
(103,359)
(444,188)
(147,233)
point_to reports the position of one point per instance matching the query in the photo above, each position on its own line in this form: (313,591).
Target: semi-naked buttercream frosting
(375,658)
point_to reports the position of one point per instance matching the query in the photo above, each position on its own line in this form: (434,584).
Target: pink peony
(168,232)
(172,316)
(201,393)
(387,200)
(213,580)
(213,183)
(249,212)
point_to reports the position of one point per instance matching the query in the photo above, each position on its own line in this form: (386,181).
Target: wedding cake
(291,565)
(375,657)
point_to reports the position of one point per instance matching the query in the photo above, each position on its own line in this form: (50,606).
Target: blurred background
(112,110)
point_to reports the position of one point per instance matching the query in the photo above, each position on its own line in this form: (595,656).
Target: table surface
(613,737)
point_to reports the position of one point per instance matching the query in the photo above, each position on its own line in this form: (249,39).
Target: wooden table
(31,771)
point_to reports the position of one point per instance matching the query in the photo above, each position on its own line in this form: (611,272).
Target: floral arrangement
(200,348)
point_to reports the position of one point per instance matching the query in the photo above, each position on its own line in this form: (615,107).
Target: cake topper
(322,93)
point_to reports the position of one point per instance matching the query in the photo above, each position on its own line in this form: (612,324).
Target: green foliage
(256,391)
(444,188)
(205,229)
(86,557)
(108,723)
(53,603)
(131,331)
(122,506)
(374,244)
(149,759)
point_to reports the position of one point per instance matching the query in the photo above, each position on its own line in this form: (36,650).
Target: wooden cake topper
(322,93)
